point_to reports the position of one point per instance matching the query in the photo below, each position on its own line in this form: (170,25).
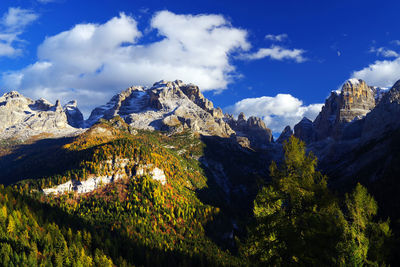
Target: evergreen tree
(369,240)
(297,220)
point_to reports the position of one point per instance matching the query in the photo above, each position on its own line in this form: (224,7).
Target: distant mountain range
(354,136)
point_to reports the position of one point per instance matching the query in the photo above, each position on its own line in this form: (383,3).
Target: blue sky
(275,59)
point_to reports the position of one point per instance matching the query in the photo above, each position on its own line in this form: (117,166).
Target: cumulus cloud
(383,73)
(12,25)
(276,38)
(277,112)
(277,53)
(384,52)
(91,62)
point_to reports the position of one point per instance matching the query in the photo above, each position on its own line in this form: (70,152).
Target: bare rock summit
(173,106)
(22,118)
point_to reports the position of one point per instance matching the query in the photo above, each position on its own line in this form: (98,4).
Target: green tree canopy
(297,221)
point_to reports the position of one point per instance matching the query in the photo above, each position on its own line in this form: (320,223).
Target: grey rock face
(304,130)
(175,106)
(285,135)
(168,106)
(384,118)
(254,129)
(74,115)
(355,100)
(326,120)
(363,141)
(21,118)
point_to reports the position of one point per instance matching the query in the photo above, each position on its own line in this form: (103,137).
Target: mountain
(140,196)
(168,106)
(170,174)
(173,107)
(285,135)
(22,118)
(356,139)
(158,174)
(353,102)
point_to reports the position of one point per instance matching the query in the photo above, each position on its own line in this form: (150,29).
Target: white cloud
(17,18)
(276,38)
(91,62)
(277,112)
(277,53)
(396,42)
(12,25)
(384,52)
(383,73)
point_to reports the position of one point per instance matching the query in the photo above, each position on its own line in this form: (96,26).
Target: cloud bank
(91,62)
(277,112)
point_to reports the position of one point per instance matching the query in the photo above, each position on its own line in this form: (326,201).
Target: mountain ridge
(171,107)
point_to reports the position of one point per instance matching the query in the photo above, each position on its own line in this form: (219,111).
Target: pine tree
(297,220)
(369,239)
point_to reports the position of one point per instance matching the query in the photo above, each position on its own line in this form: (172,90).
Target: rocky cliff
(21,117)
(173,107)
(285,135)
(250,132)
(353,102)
(384,118)
(166,106)
(342,114)
(305,130)
(367,152)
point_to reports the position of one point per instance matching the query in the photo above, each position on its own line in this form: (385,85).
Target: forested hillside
(187,220)
(134,220)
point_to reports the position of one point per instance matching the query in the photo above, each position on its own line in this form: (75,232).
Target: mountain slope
(191,216)
(355,138)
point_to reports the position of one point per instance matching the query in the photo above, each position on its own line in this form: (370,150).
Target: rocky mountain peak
(396,86)
(285,135)
(21,117)
(393,95)
(253,129)
(74,115)
(356,100)
(12,94)
(304,130)
(170,106)
(241,117)
(41,104)
(167,105)
(173,106)
(57,107)
(384,117)
(353,102)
